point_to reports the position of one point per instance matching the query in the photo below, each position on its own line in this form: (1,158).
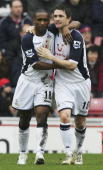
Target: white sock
(23,140)
(80,136)
(66,135)
(41,138)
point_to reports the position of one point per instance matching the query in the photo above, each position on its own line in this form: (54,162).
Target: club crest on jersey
(76,44)
(29,53)
(49,36)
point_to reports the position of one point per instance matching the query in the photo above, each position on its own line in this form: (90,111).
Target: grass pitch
(52,162)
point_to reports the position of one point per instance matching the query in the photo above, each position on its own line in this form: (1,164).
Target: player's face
(41,21)
(60,19)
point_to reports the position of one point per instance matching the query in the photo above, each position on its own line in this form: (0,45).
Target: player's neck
(60,30)
(38,33)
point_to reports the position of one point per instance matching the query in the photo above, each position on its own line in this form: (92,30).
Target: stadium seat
(96,107)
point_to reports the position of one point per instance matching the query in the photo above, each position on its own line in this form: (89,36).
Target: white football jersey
(30,43)
(75,52)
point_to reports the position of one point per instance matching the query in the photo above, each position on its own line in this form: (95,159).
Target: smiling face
(60,18)
(41,22)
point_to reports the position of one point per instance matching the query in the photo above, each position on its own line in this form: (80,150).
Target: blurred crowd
(16,16)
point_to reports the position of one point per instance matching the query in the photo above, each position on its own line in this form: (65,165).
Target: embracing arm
(74,24)
(65,64)
(45,66)
(76,50)
(66,31)
(52,28)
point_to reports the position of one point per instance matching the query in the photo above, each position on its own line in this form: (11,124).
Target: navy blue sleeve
(28,49)
(76,47)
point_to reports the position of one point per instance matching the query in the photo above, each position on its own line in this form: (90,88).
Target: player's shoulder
(27,36)
(76,35)
(27,39)
(77,39)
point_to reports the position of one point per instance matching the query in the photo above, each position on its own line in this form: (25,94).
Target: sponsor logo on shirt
(29,53)
(76,44)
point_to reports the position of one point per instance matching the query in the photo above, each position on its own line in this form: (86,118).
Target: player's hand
(44,52)
(31,29)
(12,110)
(67,38)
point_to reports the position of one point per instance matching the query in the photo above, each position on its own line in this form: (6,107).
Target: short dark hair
(63,8)
(40,10)
(93,49)
(11,2)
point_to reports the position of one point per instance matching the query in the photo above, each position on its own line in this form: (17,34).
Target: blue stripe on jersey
(81,67)
(76,46)
(77,53)
(30,55)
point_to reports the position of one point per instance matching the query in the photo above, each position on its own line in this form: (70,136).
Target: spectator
(100,88)
(93,58)
(6,98)
(4,67)
(15,57)
(87,34)
(41,4)
(10,40)
(79,11)
(97,20)
(10,26)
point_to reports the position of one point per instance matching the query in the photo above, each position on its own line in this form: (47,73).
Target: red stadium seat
(96,107)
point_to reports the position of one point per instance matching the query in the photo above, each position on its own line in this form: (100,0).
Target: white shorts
(29,94)
(73,96)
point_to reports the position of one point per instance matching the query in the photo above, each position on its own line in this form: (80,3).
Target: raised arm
(74,24)
(66,31)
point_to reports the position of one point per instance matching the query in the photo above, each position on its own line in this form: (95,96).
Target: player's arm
(74,24)
(66,31)
(31,55)
(44,52)
(76,48)
(53,29)
(28,50)
(46,66)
